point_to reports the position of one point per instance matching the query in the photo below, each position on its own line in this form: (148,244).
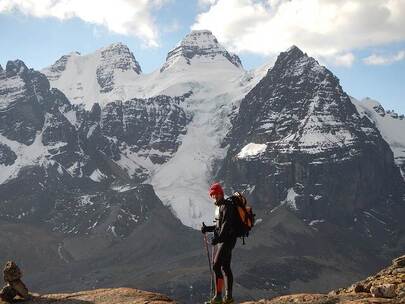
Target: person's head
(216,192)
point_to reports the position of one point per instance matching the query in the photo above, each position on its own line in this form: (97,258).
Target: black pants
(222,266)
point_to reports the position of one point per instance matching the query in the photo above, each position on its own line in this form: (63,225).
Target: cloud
(325,28)
(127,17)
(345,60)
(375,59)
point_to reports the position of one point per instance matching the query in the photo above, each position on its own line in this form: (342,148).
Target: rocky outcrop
(102,296)
(387,286)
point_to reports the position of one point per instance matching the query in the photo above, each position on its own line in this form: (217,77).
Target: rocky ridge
(387,286)
(102,296)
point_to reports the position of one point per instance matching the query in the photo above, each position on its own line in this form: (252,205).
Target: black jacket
(224,229)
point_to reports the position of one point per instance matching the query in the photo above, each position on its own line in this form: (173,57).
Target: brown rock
(20,288)
(11,272)
(359,287)
(383,291)
(7,293)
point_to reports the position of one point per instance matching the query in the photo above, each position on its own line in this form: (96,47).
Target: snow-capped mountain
(96,77)
(212,81)
(390,124)
(298,141)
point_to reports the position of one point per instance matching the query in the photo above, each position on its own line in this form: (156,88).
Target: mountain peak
(15,67)
(200,38)
(200,44)
(295,62)
(116,45)
(1,68)
(120,56)
(292,53)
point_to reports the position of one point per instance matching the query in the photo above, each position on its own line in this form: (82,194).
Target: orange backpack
(246,217)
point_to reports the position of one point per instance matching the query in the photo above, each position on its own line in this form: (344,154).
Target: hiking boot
(228,300)
(216,300)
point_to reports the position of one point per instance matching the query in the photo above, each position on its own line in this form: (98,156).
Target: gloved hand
(204,228)
(214,241)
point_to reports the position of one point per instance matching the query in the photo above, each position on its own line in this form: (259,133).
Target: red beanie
(216,189)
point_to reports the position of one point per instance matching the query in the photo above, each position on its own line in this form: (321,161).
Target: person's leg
(218,276)
(226,268)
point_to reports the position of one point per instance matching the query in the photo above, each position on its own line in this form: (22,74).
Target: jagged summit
(295,62)
(15,67)
(294,48)
(201,44)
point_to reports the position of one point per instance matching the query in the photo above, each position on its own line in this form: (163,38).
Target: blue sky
(368,58)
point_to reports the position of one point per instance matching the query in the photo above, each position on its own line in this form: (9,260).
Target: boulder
(383,291)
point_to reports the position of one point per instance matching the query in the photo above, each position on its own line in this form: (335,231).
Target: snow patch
(97,175)
(290,199)
(251,149)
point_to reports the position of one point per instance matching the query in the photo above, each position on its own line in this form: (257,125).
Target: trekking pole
(209,264)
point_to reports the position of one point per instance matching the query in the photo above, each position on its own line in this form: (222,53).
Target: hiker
(224,240)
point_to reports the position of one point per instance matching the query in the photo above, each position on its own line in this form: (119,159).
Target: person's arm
(205,229)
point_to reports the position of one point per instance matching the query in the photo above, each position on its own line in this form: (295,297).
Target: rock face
(152,125)
(21,92)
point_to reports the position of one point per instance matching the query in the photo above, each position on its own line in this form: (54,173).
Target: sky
(361,41)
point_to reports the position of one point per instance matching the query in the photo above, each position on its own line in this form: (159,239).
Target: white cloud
(325,28)
(128,17)
(345,60)
(375,59)
(206,2)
